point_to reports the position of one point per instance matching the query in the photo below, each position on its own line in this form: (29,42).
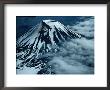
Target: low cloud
(75,57)
(86,28)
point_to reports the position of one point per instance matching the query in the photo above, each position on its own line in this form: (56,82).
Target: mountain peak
(43,37)
(52,24)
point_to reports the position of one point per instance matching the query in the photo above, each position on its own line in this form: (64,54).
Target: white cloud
(75,57)
(86,27)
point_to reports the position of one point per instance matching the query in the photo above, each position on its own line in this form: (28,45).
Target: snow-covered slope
(43,37)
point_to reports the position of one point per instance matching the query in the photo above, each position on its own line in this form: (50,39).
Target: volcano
(45,37)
